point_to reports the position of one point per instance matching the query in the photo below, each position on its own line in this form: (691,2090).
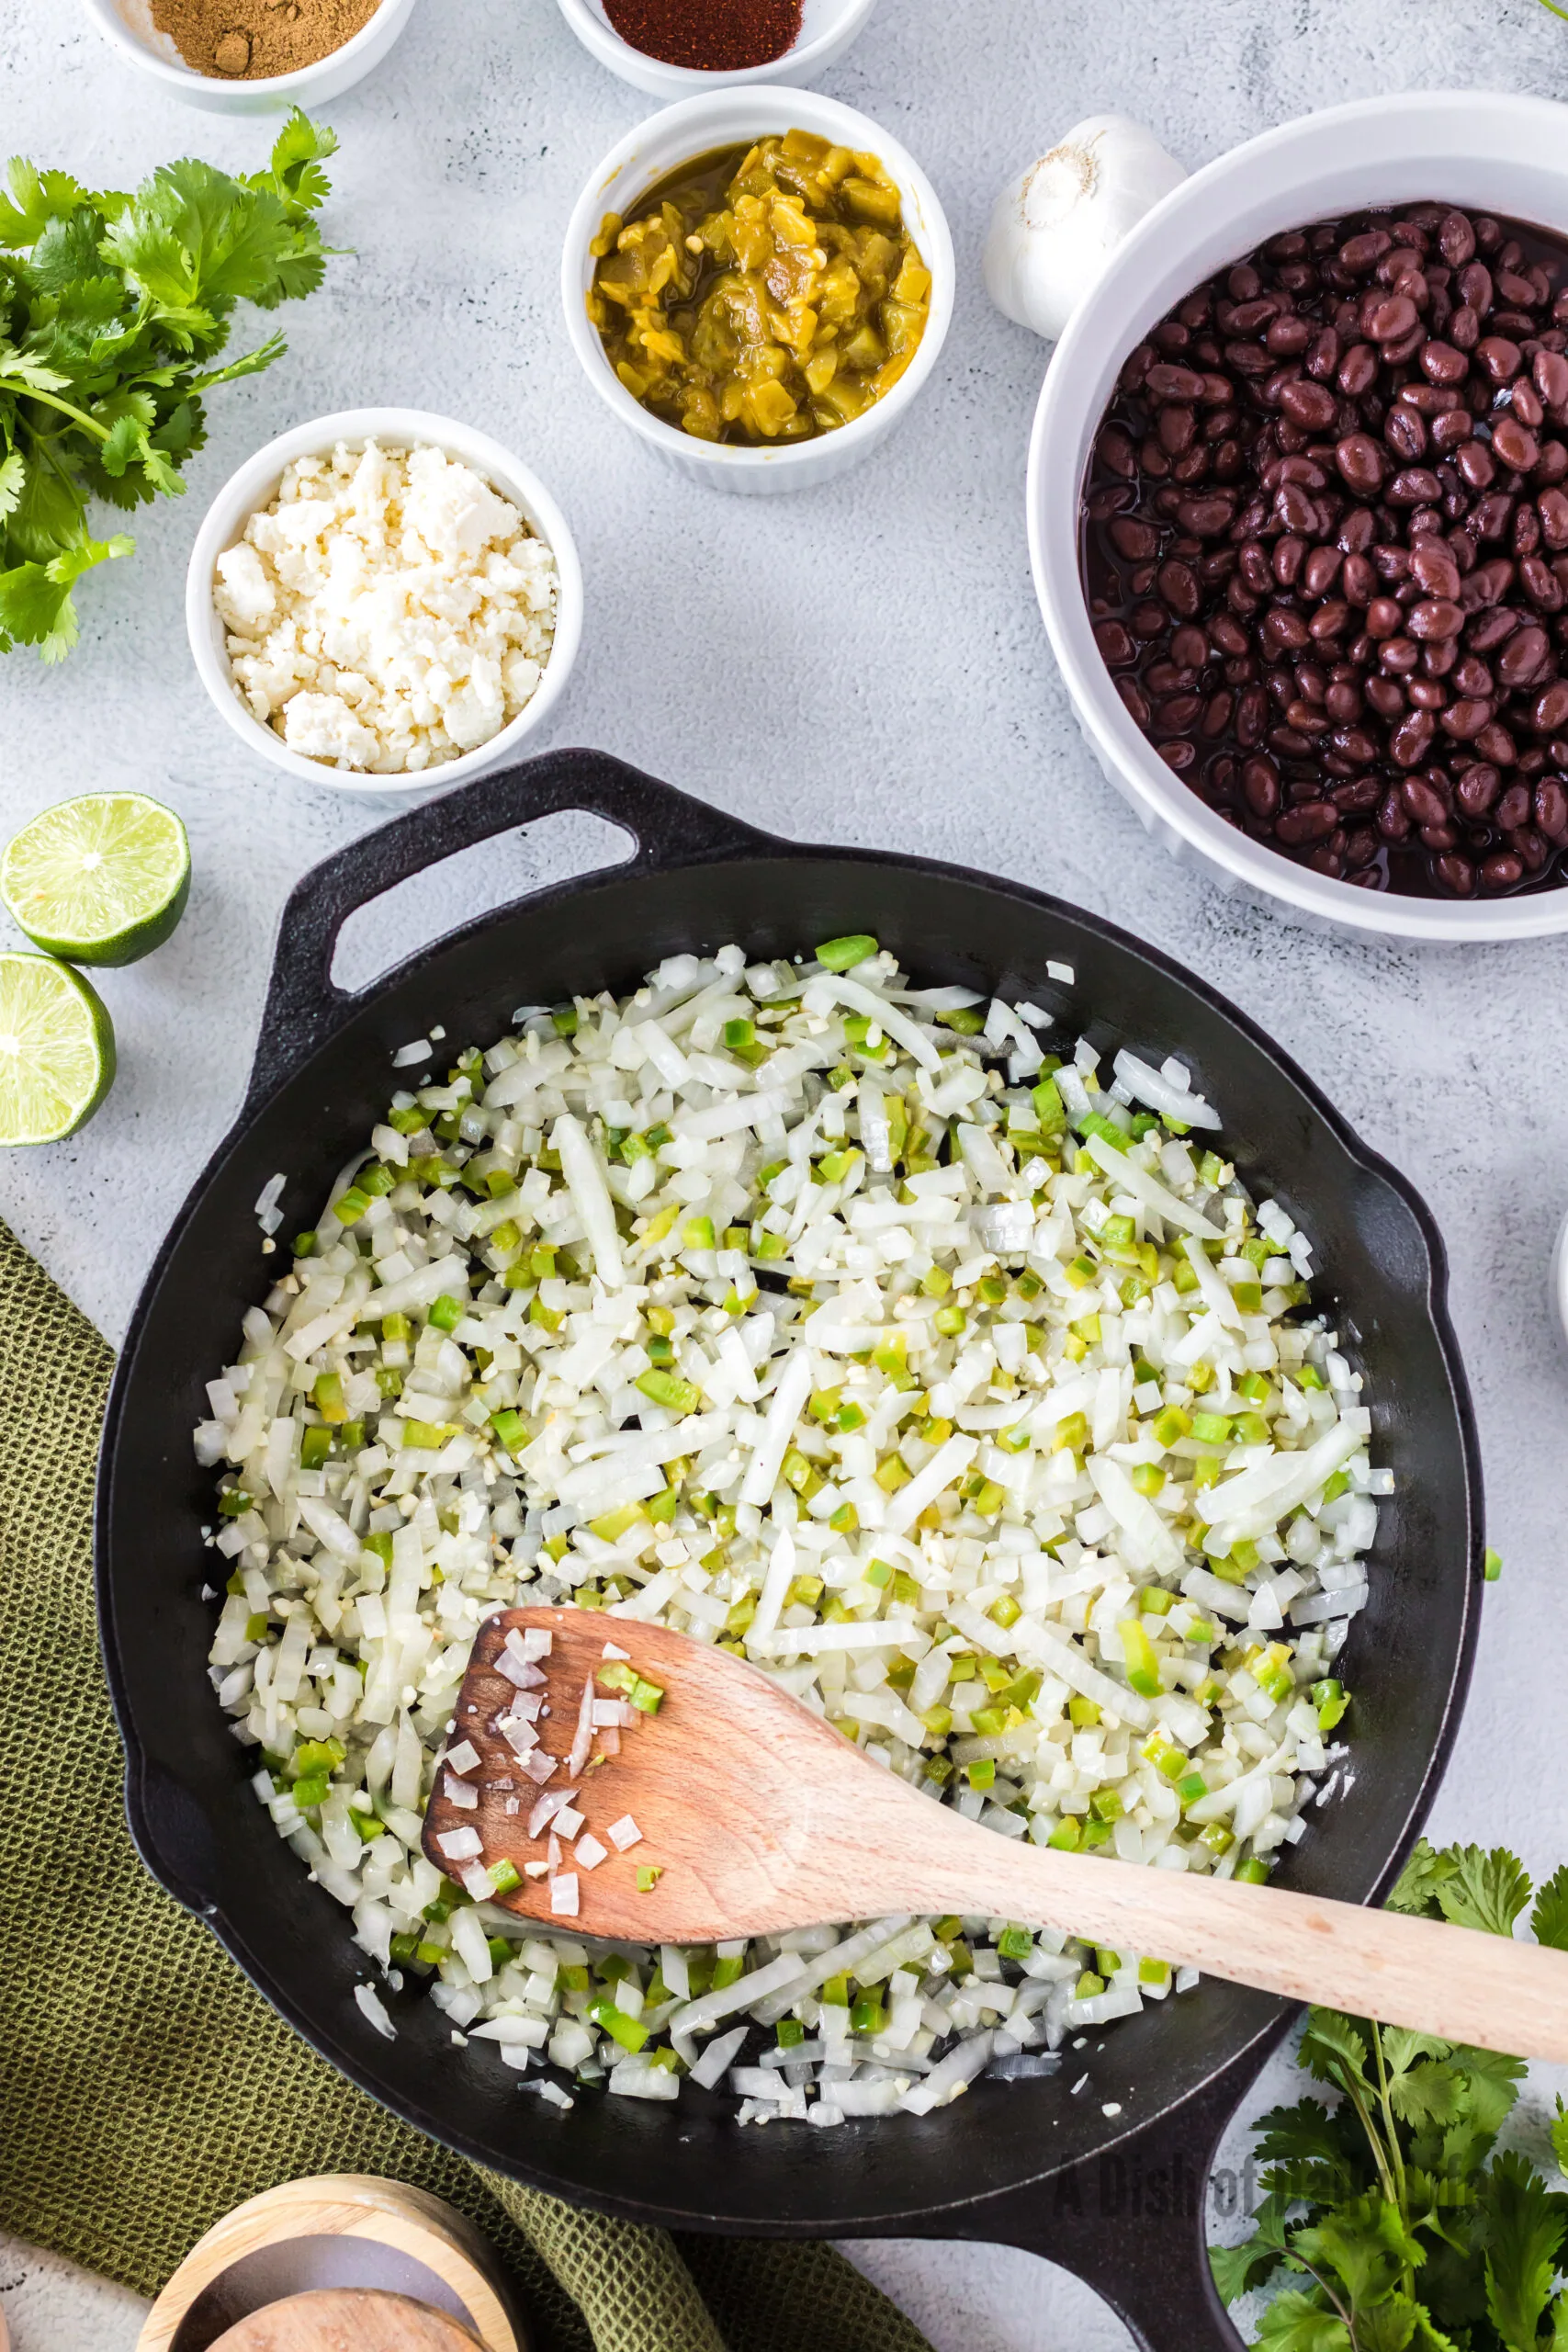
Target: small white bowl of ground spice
(676,48)
(251,56)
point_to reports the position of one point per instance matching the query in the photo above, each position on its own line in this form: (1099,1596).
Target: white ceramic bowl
(127,26)
(1504,154)
(827,29)
(256,486)
(723,119)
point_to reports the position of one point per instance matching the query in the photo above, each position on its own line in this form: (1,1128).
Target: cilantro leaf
(1425,2085)
(194,239)
(66,250)
(1550,1918)
(1401,2047)
(1364,2243)
(45,516)
(251,364)
(17,368)
(1306,2132)
(1417,1888)
(1560,2137)
(1491,2081)
(36,604)
(1428,2094)
(13,474)
(1525,2227)
(37,198)
(1298,2323)
(301,149)
(181,430)
(1334,2050)
(84,326)
(1391,2327)
(125,443)
(1429,2338)
(68,566)
(1486,1891)
(1238,2269)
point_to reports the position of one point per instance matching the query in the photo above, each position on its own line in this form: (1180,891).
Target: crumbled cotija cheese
(388,611)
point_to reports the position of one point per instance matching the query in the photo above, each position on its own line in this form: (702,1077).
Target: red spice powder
(714,36)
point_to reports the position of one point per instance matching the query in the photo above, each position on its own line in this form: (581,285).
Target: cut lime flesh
(99,880)
(57,1057)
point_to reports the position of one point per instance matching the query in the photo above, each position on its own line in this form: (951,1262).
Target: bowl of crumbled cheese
(384,601)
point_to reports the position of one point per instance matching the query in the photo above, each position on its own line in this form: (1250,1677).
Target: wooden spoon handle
(1420,1973)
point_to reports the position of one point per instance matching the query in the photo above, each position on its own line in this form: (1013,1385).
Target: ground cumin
(249,40)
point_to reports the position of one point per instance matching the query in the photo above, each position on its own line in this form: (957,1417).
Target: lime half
(99,880)
(56,1049)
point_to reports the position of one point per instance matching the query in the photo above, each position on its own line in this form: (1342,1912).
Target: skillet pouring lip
(639,2166)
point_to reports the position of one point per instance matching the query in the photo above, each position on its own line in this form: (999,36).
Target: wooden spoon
(760,1816)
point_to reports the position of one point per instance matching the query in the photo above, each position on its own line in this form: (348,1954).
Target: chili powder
(712,36)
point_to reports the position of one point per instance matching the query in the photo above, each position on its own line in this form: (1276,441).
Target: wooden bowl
(348,2319)
(344,2231)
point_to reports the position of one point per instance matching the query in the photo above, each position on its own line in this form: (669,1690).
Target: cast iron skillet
(1116,2197)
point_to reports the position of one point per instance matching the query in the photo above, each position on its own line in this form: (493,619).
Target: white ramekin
(127,26)
(1483,148)
(723,119)
(256,486)
(827,29)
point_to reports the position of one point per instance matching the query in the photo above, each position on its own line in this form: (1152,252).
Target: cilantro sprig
(113,310)
(1389,2222)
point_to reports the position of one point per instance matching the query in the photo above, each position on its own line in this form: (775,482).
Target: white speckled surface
(863,663)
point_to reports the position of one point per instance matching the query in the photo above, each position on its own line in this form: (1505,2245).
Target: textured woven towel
(144,2087)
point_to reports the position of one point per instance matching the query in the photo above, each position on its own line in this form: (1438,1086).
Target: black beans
(1433,568)
(1516,448)
(1477,790)
(1361,464)
(1164,382)
(1550,369)
(1325,539)
(1177,584)
(1404,430)
(1435,616)
(1313,821)
(1552,808)
(1443,363)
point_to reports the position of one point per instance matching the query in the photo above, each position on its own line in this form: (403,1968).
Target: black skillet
(1118,2197)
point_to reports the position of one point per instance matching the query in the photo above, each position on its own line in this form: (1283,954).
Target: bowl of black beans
(1298,506)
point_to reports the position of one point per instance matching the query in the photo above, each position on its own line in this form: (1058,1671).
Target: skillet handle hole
(470,882)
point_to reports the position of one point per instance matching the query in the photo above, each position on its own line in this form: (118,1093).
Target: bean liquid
(1324,546)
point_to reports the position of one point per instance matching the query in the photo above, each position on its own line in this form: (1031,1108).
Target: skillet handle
(1134,2224)
(304,1006)
(171,1833)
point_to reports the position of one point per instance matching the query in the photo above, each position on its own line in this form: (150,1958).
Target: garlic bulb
(1054,229)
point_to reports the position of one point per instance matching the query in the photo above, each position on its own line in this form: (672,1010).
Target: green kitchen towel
(144,2087)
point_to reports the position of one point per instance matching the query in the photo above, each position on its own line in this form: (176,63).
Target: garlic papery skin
(1054,229)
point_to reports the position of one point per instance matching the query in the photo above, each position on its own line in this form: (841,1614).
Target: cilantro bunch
(112,309)
(1409,2232)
